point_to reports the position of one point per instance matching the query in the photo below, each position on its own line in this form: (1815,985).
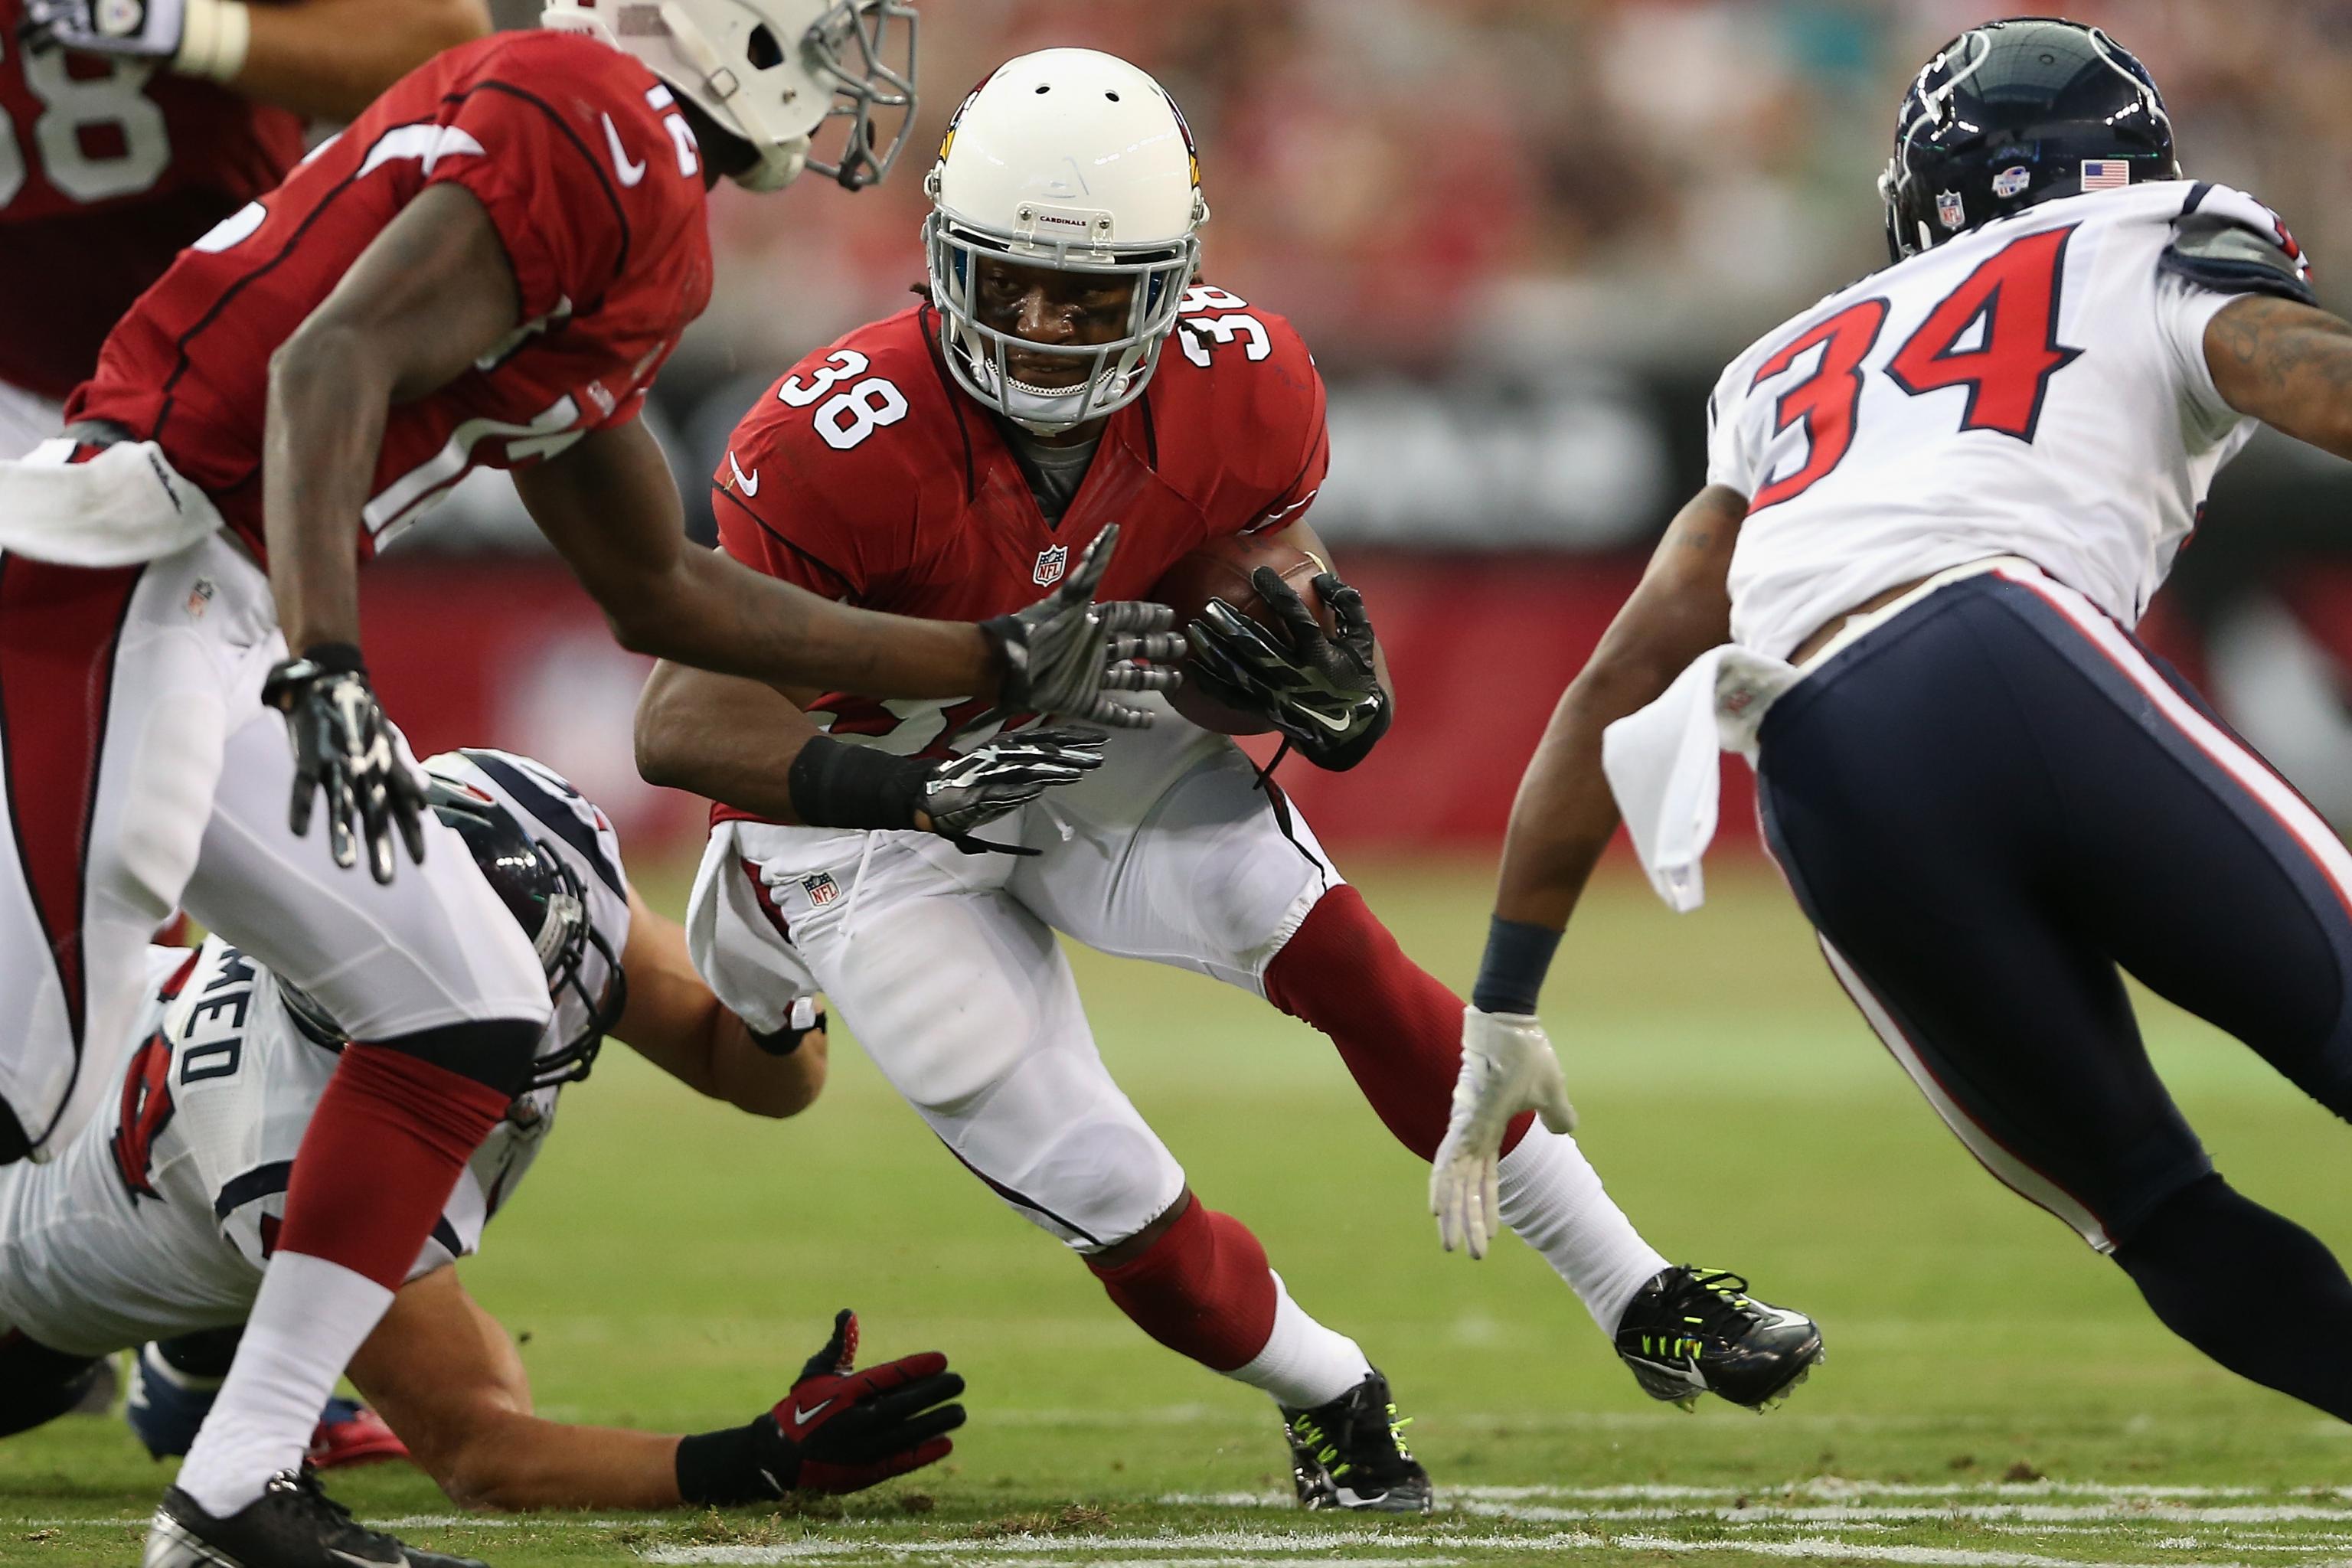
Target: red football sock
(1398,1030)
(380,1158)
(1202,1288)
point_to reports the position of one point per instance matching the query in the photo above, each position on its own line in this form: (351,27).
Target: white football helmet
(1077,162)
(774,71)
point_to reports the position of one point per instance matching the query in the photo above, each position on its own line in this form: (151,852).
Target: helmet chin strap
(1039,412)
(781,157)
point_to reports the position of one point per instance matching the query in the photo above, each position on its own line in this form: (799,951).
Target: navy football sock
(2251,1288)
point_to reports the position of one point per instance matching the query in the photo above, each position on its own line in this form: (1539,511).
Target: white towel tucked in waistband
(1664,762)
(124,507)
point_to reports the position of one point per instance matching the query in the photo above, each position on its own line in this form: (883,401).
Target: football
(1221,570)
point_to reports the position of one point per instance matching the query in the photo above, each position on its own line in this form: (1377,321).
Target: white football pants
(142,774)
(945,966)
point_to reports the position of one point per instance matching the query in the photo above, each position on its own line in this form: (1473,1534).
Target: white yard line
(2130,1512)
(1216,1549)
(1826,1489)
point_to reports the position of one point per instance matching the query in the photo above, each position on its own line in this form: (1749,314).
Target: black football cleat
(292,1524)
(1350,1454)
(1691,1331)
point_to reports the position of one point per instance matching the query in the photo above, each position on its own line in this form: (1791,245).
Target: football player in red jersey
(485,270)
(1065,371)
(126,131)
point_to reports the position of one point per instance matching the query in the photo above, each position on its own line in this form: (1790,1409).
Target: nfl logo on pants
(1050,563)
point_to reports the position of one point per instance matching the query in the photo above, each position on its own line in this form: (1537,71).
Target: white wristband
(214,38)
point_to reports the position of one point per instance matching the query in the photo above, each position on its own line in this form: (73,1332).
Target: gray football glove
(1320,690)
(1065,652)
(972,790)
(345,749)
(140,30)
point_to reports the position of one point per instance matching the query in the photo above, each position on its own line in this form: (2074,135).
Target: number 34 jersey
(107,168)
(593,183)
(2037,387)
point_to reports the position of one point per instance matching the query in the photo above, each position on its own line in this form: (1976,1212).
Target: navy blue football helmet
(544,895)
(2006,115)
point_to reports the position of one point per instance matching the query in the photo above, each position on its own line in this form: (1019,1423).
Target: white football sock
(1304,1364)
(1551,1196)
(307,1324)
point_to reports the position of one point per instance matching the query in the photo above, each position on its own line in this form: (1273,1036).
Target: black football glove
(969,791)
(837,1431)
(1064,652)
(345,748)
(1320,691)
(140,30)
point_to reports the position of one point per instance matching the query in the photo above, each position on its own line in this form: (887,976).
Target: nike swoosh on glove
(1321,690)
(841,1430)
(1508,1066)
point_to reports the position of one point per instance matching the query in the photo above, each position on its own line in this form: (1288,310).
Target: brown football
(1221,570)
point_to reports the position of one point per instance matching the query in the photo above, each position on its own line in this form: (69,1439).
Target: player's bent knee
(497,1052)
(1096,1185)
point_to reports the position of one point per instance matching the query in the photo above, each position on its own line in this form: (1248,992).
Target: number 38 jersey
(593,181)
(868,476)
(158,1218)
(107,168)
(2037,387)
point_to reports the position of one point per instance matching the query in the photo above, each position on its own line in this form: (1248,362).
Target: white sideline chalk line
(1212,1549)
(2144,1512)
(1828,1488)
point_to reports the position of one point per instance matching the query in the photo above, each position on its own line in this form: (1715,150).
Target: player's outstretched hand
(1065,652)
(841,1431)
(143,29)
(1508,1066)
(972,790)
(1320,689)
(345,749)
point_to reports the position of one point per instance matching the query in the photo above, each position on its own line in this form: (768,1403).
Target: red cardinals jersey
(107,168)
(591,178)
(868,476)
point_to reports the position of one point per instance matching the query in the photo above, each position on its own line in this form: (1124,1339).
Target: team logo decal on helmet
(776,73)
(1066,161)
(2013,113)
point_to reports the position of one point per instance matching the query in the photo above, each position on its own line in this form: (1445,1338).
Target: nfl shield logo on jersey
(1050,563)
(1948,210)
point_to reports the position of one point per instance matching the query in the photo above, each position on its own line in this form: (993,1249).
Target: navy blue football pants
(1991,806)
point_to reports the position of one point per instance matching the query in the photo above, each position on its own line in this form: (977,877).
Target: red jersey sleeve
(548,147)
(1314,445)
(1245,373)
(845,477)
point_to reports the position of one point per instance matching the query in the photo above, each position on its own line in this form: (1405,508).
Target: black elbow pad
(2217,253)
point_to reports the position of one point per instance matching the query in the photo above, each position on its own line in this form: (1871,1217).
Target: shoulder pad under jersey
(2219,253)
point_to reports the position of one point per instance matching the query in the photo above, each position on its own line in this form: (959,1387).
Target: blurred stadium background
(1522,236)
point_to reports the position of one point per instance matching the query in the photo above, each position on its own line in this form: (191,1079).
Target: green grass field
(1995,1394)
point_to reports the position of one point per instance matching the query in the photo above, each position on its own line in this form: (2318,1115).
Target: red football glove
(843,1431)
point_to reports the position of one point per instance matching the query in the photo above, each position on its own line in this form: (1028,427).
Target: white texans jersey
(157,1219)
(2036,387)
